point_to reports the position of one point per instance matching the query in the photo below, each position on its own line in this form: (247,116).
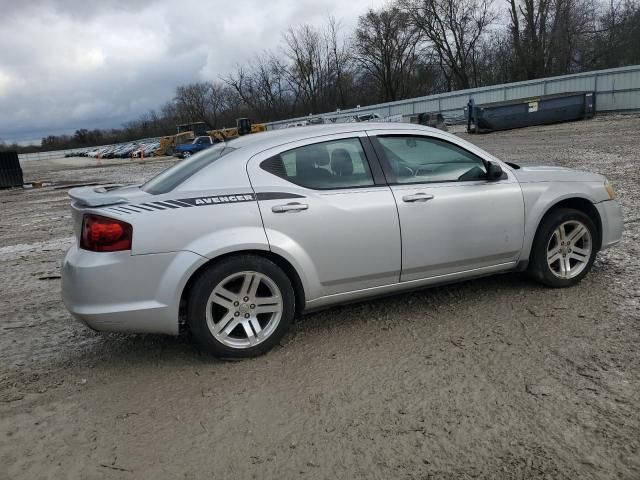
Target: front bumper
(120,292)
(612,222)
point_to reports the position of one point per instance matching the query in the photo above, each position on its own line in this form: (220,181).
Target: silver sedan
(236,241)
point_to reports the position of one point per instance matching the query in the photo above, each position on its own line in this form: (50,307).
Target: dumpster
(10,170)
(560,107)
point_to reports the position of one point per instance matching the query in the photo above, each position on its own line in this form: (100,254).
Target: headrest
(341,163)
(309,158)
(321,155)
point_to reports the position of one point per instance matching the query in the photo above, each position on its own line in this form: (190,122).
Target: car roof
(273,138)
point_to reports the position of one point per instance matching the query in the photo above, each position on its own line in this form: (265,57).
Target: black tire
(539,268)
(207,282)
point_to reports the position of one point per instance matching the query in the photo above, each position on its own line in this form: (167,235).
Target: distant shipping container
(560,107)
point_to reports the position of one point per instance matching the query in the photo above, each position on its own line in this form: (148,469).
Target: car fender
(174,281)
(541,197)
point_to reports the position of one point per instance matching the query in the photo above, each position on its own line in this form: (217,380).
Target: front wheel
(564,248)
(241,306)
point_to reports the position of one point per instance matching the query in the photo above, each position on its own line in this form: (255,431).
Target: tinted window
(335,164)
(419,159)
(174,176)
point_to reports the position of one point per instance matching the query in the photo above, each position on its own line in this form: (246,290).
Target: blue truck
(187,149)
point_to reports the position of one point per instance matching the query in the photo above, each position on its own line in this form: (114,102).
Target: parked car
(124,150)
(367,117)
(97,152)
(150,148)
(187,149)
(138,151)
(293,220)
(302,123)
(127,150)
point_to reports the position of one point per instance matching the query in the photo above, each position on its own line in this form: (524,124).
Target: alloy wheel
(244,309)
(569,249)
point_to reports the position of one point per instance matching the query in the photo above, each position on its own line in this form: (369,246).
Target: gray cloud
(78,63)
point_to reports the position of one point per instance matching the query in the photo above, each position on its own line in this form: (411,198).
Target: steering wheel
(402,170)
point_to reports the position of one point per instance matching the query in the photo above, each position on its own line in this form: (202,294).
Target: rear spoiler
(97,196)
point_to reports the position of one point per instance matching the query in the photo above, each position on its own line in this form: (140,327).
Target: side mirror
(494,171)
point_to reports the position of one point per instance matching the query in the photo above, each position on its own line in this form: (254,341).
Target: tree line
(406,49)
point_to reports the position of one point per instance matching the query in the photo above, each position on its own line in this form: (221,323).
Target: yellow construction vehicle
(169,143)
(189,131)
(243,127)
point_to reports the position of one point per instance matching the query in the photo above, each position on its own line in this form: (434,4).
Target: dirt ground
(493,378)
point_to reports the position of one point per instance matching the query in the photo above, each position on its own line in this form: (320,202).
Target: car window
(175,175)
(415,159)
(335,164)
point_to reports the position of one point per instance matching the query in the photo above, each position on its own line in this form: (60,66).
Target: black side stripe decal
(178,203)
(153,206)
(129,209)
(163,204)
(202,201)
(277,195)
(119,210)
(218,199)
(144,208)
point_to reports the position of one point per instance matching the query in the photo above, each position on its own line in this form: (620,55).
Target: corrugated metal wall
(618,89)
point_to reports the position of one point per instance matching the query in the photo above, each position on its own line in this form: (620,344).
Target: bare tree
(549,36)
(341,59)
(385,47)
(453,29)
(193,101)
(310,69)
(615,40)
(262,86)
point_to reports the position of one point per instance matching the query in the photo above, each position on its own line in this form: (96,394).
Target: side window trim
(371,159)
(386,165)
(375,164)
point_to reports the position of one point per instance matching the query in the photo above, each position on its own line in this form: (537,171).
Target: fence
(617,89)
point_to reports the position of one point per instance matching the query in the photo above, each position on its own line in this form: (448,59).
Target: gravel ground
(493,378)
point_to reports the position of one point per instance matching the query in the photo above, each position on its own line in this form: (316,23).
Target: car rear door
(453,220)
(327,209)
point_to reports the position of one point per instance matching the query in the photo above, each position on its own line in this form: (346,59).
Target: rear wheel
(564,248)
(241,307)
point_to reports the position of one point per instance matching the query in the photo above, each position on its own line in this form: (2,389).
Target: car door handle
(417,197)
(289,207)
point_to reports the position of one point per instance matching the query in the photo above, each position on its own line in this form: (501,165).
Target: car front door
(328,210)
(453,220)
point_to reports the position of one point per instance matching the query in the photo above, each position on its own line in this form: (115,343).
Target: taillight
(103,234)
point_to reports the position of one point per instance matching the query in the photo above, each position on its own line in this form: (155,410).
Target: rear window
(175,175)
(326,165)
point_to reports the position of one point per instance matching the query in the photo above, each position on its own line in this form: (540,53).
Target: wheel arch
(289,270)
(581,204)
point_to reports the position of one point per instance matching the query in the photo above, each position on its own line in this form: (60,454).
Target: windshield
(175,175)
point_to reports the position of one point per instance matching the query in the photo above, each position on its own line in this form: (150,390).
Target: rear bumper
(120,292)
(612,222)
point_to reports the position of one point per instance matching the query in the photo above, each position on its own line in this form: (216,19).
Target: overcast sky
(67,64)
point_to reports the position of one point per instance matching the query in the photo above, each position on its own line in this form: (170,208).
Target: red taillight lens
(102,234)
